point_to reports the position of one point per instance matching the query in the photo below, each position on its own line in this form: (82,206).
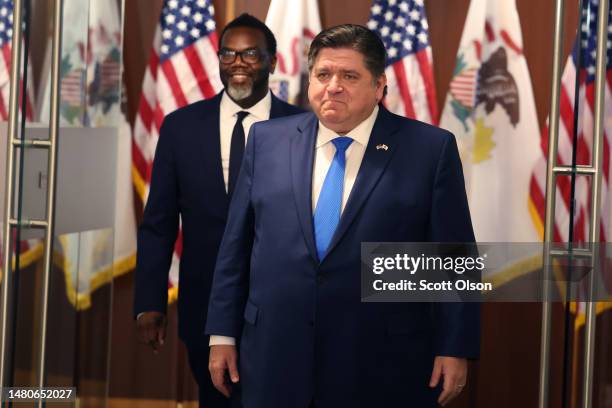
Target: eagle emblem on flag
(496,85)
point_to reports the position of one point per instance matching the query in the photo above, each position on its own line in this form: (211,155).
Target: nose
(334,85)
(239,61)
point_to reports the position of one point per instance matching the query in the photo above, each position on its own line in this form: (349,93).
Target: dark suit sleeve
(230,281)
(158,231)
(457,324)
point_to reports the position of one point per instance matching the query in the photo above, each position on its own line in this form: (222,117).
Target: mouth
(332,102)
(240,75)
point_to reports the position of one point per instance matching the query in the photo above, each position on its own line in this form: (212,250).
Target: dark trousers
(209,396)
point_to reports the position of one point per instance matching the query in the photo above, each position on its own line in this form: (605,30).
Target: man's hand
(223,358)
(152,329)
(454,371)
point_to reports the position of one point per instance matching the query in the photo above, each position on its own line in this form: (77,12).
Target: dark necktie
(236,152)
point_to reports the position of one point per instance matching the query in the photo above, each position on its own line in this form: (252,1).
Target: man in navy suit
(196,166)
(287,279)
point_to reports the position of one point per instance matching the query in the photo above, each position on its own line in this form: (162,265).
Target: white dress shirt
(227,120)
(324,154)
(325,151)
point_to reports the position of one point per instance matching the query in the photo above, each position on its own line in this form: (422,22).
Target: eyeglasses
(250,56)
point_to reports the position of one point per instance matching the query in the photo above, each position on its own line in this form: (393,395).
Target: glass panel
(83,260)
(91,87)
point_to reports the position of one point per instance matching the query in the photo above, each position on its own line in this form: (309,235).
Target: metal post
(600,86)
(54,130)
(10,157)
(553,133)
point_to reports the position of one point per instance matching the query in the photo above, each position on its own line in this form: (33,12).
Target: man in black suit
(196,165)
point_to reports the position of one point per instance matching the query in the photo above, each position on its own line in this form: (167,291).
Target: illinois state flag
(294,24)
(491,111)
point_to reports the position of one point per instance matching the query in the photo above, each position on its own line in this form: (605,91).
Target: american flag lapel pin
(382,146)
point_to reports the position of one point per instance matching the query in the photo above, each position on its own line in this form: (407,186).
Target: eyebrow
(342,71)
(233,49)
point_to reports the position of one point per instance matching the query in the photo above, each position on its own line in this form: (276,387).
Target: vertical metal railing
(56,56)
(595,172)
(9,187)
(553,136)
(47,224)
(598,134)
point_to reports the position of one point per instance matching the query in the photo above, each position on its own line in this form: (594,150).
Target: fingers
(233,370)
(450,390)
(161,335)
(436,373)
(152,329)
(151,338)
(454,372)
(217,376)
(147,332)
(223,359)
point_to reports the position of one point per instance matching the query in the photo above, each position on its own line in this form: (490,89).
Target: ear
(381,83)
(272,64)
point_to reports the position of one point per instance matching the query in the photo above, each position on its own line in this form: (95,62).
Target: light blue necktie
(327,213)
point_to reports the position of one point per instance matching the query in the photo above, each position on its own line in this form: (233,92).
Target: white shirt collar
(360,134)
(259,111)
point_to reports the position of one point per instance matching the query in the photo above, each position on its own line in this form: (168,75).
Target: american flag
(182,69)
(588,44)
(402,25)
(6,35)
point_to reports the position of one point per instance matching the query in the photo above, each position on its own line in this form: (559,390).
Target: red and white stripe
(110,74)
(72,87)
(411,88)
(584,154)
(5,84)
(463,87)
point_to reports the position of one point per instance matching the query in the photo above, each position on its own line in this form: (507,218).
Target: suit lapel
(301,161)
(211,147)
(375,161)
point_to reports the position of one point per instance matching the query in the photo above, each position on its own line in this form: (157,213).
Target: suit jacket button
(320,279)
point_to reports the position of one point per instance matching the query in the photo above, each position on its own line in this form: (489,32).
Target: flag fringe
(139,183)
(535,217)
